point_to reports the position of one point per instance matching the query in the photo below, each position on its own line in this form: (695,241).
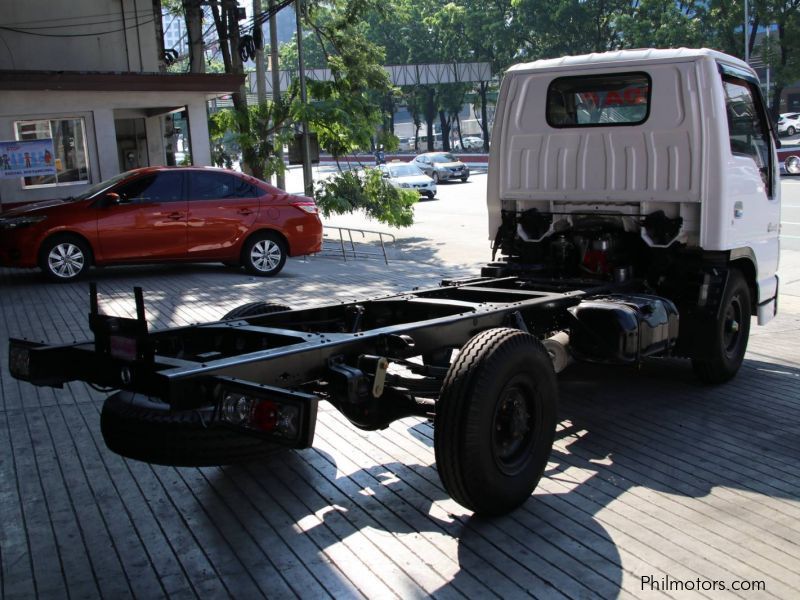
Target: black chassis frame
(336,352)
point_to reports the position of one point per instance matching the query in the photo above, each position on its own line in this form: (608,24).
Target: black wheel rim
(514,426)
(732,325)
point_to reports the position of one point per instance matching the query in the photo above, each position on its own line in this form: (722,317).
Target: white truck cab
(653,165)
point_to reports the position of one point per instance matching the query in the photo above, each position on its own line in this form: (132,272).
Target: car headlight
(404,185)
(792,165)
(23,221)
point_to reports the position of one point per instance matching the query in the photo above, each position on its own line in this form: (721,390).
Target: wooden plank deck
(652,476)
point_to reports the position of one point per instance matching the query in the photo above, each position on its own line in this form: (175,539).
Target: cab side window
(747,129)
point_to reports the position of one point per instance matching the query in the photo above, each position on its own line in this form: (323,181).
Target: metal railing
(347,247)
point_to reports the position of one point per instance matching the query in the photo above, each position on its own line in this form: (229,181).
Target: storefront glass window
(69,145)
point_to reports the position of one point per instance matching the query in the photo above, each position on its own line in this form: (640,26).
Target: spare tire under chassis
(137,427)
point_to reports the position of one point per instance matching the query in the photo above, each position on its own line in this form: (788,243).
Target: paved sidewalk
(652,475)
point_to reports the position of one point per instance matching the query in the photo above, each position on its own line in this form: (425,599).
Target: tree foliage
(349,191)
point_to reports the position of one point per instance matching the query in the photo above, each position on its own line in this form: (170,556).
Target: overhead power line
(83,23)
(76,35)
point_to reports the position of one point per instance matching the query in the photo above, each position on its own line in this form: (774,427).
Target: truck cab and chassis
(634,208)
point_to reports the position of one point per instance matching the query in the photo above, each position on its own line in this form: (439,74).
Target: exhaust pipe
(557,347)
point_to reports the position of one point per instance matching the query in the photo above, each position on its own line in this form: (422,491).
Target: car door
(423,162)
(148,222)
(222,209)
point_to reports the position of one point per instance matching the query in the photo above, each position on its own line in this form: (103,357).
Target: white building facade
(89,75)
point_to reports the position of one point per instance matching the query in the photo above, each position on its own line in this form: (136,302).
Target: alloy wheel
(265,255)
(66,260)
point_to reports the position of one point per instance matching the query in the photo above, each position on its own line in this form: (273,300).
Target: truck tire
(139,428)
(495,421)
(254,308)
(727,336)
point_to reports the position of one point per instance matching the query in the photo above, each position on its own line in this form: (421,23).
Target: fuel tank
(623,328)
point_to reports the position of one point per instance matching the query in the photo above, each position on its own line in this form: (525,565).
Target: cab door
(222,209)
(754,202)
(147,223)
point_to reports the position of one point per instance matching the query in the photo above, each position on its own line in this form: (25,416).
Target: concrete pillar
(106,134)
(198,133)
(155,141)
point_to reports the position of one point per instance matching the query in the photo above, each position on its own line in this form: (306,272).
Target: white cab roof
(629,57)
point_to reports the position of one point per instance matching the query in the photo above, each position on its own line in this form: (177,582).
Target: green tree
(368,191)
(266,129)
(346,110)
(662,24)
(564,27)
(782,51)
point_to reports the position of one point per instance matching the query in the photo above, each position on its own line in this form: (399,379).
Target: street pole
(308,179)
(276,83)
(261,81)
(746,45)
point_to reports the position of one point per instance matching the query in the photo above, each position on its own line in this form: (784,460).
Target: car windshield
(103,185)
(404,170)
(444,158)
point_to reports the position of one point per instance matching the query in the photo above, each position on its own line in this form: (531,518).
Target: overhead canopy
(209,83)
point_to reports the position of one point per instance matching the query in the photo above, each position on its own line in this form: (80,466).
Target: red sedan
(163,214)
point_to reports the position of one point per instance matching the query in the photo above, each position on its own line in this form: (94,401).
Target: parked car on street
(442,166)
(789,160)
(789,124)
(470,142)
(405,144)
(163,214)
(409,176)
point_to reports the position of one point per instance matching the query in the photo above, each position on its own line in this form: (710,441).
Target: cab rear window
(599,100)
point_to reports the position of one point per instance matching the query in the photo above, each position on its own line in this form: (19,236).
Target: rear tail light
(286,417)
(261,414)
(307,206)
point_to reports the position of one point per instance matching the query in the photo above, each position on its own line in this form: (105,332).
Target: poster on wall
(29,158)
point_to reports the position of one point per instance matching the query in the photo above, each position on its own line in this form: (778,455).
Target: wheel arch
(262,230)
(744,260)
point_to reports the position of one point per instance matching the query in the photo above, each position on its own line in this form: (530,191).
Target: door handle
(245,211)
(175,216)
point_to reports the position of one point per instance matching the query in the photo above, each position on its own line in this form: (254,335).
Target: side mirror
(385,174)
(113,199)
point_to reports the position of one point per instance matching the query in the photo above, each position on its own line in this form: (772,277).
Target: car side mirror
(113,199)
(385,175)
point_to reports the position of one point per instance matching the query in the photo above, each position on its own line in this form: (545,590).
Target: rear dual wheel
(495,421)
(252,309)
